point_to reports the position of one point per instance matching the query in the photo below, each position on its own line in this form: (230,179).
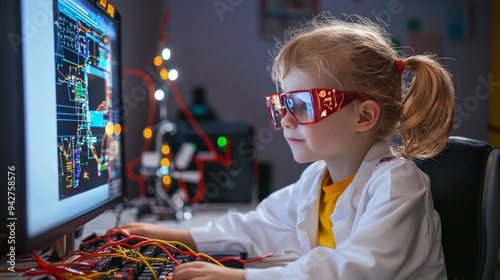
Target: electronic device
(213,161)
(119,256)
(60,110)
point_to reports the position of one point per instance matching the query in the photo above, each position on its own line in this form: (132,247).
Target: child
(362,209)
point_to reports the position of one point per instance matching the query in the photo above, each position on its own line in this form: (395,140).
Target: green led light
(222,141)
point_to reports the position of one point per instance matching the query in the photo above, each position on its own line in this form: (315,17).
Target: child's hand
(156,232)
(201,270)
(142,229)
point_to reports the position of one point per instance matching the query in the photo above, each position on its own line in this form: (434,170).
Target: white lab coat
(384,224)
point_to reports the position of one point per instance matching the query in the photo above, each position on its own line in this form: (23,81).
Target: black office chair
(465,183)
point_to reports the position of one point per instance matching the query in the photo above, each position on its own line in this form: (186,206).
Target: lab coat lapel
(308,207)
(344,214)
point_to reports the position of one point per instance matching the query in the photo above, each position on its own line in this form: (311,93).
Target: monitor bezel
(12,112)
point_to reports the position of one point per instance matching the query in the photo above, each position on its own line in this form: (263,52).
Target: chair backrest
(465,183)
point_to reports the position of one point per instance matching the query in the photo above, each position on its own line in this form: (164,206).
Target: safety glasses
(308,106)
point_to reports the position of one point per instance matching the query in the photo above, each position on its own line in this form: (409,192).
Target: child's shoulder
(399,171)
(396,163)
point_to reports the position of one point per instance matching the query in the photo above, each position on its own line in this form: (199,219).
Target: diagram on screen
(87,115)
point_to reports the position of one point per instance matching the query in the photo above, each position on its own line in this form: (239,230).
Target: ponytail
(427,115)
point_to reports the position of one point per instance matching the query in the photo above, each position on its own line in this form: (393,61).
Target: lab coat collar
(308,227)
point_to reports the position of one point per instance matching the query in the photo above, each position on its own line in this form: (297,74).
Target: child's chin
(301,159)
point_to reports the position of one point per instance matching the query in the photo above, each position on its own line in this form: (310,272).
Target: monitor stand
(63,247)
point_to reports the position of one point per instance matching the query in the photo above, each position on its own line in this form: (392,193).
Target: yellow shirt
(330,192)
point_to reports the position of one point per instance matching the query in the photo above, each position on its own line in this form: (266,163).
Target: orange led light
(164,74)
(158,60)
(167,180)
(111,10)
(147,133)
(165,162)
(117,129)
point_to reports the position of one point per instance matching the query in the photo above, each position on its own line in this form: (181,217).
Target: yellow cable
(189,249)
(119,251)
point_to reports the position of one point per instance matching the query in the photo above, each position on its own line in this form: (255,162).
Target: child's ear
(368,115)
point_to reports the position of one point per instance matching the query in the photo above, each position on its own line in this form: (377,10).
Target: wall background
(217,44)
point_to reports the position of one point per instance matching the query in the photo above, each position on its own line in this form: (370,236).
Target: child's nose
(287,121)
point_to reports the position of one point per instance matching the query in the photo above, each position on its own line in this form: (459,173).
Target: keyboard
(142,258)
(125,257)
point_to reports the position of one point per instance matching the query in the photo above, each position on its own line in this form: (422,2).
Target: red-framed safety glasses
(308,106)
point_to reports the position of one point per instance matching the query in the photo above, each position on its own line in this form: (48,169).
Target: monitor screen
(61,118)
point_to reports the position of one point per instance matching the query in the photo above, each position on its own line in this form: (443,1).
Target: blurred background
(222,47)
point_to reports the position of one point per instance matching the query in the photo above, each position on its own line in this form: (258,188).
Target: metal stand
(63,246)
(158,202)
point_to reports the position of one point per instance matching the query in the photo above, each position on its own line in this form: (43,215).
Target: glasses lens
(275,109)
(301,106)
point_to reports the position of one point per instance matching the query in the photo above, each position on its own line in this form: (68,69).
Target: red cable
(227,259)
(163,31)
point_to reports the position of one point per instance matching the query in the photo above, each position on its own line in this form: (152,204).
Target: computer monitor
(213,161)
(60,119)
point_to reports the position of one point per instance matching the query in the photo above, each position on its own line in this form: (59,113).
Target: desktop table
(201,215)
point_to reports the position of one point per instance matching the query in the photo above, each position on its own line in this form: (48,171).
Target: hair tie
(399,65)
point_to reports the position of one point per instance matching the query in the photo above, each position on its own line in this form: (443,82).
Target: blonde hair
(359,54)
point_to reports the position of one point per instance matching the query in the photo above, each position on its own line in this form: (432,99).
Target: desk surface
(202,214)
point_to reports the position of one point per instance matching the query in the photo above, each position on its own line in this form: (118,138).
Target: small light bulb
(165,53)
(157,61)
(147,133)
(173,74)
(117,129)
(165,162)
(167,180)
(109,128)
(187,215)
(159,95)
(164,74)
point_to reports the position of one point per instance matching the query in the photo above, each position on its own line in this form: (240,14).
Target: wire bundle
(81,264)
